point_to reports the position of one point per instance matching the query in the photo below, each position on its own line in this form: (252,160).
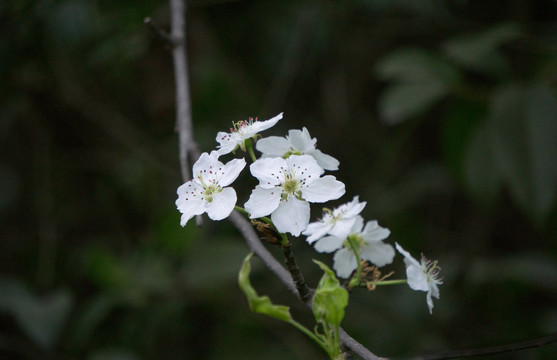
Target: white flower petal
(358,225)
(354,207)
(222,205)
(323,189)
(259,126)
(205,162)
(373,232)
(317,230)
(269,171)
(434,290)
(227,142)
(273,146)
(188,202)
(429,302)
(291,216)
(417,280)
(301,140)
(329,244)
(262,202)
(378,253)
(305,167)
(229,172)
(345,262)
(327,162)
(196,207)
(343,228)
(407,257)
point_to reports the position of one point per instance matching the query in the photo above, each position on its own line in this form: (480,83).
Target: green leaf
(330,298)
(416,66)
(422,78)
(525,147)
(41,318)
(481,52)
(260,304)
(400,102)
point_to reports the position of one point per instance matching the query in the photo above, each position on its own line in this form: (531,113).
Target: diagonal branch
(304,292)
(492,350)
(251,238)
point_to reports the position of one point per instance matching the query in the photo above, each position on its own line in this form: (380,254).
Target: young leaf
(330,298)
(260,304)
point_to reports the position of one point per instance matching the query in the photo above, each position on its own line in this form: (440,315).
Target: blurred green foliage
(443,115)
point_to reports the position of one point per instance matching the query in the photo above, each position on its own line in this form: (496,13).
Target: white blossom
(286,187)
(368,240)
(337,222)
(422,276)
(298,142)
(242,131)
(207,191)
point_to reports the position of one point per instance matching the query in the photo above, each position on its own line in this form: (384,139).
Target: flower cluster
(290,174)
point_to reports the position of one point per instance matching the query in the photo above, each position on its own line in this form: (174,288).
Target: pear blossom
(298,142)
(286,187)
(369,241)
(242,131)
(337,222)
(207,191)
(422,276)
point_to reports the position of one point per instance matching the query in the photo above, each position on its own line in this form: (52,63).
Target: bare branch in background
(492,350)
(184,127)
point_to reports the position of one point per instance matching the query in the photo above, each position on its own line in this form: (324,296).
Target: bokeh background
(443,115)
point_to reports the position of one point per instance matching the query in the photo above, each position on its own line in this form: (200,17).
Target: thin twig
(184,126)
(188,149)
(492,350)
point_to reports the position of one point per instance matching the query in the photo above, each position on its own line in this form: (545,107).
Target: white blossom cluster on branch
(291,176)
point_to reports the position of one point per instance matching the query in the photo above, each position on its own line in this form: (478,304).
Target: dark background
(443,115)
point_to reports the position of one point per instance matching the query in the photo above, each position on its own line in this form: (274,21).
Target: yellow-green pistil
(291,186)
(210,189)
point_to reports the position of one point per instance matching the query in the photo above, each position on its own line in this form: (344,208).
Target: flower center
(431,269)
(290,186)
(240,126)
(211,188)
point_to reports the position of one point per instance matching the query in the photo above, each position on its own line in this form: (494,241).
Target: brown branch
(251,238)
(304,291)
(492,350)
